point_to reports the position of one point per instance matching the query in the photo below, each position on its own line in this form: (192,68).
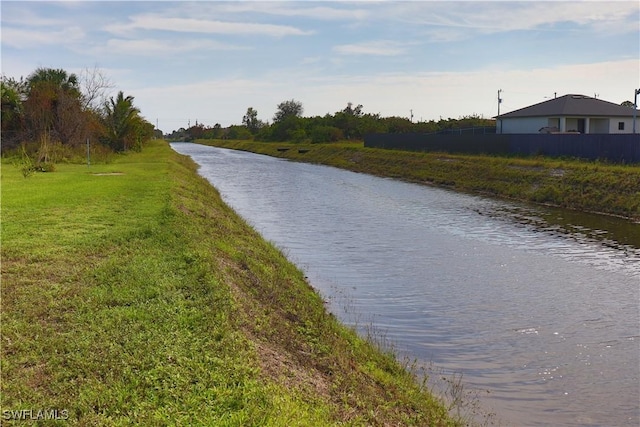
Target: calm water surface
(538,309)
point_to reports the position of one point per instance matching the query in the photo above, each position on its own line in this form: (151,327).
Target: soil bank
(586,186)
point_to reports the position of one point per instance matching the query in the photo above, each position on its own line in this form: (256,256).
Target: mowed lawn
(131,295)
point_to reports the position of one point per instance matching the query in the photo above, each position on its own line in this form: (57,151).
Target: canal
(536,308)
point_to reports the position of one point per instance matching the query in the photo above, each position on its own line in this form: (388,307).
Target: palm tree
(57,78)
(122,120)
(53,97)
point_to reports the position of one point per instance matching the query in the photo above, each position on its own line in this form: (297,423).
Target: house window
(620,125)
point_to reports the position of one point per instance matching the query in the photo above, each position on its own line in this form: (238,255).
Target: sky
(209,61)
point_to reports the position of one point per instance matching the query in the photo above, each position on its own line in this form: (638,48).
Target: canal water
(537,309)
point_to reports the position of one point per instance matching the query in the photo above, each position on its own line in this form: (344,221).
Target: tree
(142,131)
(238,132)
(397,124)
(628,104)
(12,112)
(53,108)
(70,120)
(287,123)
(216,132)
(288,109)
(94,86)
(348,120)
(57,78)
(356,112)
(196,131)
(121,122)
(326,134)
(251,121)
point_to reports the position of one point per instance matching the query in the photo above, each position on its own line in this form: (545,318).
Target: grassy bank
(132,295)
(572,184)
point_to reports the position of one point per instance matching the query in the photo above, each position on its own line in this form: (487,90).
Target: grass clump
(132,295)
(567,183)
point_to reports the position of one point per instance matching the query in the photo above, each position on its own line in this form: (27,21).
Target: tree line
(350,123)
(52,113)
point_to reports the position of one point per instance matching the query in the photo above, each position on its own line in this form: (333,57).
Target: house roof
(572,105)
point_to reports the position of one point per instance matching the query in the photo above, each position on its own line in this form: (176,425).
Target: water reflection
(616,242)
(537,306)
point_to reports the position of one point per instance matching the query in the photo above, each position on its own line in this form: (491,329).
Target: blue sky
(211,60)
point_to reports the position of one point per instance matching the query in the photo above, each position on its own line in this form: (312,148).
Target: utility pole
(635,109)
(499,102)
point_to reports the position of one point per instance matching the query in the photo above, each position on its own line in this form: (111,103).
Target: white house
(569,113)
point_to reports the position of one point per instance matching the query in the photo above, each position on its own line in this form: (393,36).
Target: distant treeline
(288,124)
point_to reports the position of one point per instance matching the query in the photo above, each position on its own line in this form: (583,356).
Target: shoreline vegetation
(131,294)
(587,186)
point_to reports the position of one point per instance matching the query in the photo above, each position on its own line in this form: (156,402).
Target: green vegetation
(351,123)
(573,184)
(49,117)
(132,295)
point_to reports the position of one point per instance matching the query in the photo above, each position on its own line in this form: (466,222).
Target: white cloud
(483,16)
(448,21)
(460,93)
(14,15)
(328,10)
(222,101)
(429,95)
(26,38)
(376,48)
(189,25)
(155,47)
(356,40)
(312,60)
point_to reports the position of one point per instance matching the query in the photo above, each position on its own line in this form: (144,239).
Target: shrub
(45,167)
(326,134)
(297,135)
(239,132)
(24,163)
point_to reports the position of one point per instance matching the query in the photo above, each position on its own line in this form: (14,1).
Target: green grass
(568,183)
(132,295)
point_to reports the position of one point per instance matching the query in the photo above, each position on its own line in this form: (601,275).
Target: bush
(297,135)
(326,134)
(239,132)
(45,167)
(24,163)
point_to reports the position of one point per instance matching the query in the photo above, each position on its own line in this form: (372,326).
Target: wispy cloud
(333,11)
(436,57)
(393,94)
(25,38)
(448,21)
(155,47)
(375,48)
(191,25)
(326,13)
